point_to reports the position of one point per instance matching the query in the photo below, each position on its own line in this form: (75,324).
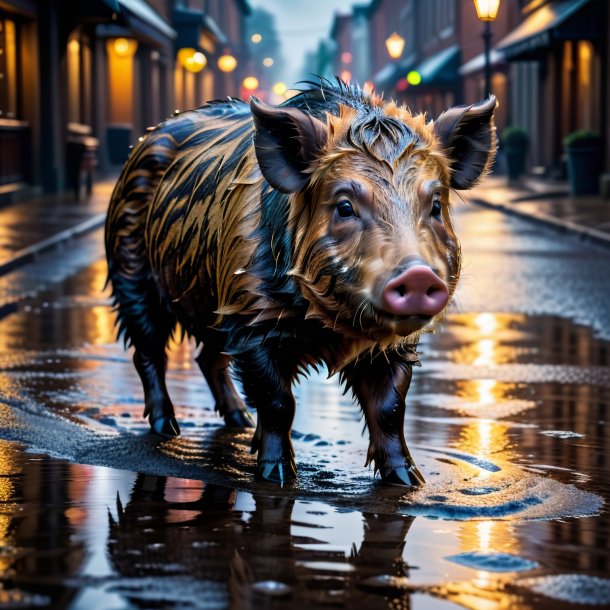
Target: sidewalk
(549,204)
(31,227)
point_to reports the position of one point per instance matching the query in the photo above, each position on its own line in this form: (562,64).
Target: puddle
(507,420)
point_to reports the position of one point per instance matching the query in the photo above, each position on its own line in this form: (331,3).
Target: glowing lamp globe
(395,44)
(227,63)
(487,10)
(192,60)
(250,83)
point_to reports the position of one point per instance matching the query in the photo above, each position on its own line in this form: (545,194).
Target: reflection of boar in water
(317,231)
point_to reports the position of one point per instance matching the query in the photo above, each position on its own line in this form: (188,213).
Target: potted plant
(515,143)
(583,150)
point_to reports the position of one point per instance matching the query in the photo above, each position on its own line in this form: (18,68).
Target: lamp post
(487,11)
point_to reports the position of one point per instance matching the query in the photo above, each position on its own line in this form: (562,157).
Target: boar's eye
(436,209)
(345,209)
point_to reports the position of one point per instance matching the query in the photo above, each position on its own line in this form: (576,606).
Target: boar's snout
(416,291)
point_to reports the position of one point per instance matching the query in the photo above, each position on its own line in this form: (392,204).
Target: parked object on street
(515,143)
(584,152)
(281,238)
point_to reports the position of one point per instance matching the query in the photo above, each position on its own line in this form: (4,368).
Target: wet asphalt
(507,419)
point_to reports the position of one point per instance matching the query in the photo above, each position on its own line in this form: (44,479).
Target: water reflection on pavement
(507,418)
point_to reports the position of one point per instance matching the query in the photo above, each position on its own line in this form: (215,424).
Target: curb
(30,253)
(588,234)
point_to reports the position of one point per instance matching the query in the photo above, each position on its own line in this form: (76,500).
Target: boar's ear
(468,135)
(286,141)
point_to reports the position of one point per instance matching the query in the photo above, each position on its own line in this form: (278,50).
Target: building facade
(81,81)
(550,64)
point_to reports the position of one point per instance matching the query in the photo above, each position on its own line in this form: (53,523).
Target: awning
(191,25)
(544,24)
(143,19)
(387,77)
(442,68)
(478,63)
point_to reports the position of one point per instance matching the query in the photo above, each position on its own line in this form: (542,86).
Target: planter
(515,160)
(584,168)
(118,139)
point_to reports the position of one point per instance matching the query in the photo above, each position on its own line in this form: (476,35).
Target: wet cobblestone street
(507,419)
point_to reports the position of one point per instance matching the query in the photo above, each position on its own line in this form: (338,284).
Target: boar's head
(374,249)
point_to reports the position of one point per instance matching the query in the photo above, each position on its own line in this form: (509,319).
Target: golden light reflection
(485,391)
(488,537)
(8,470)
(487,323)
(485,437)
(486,349)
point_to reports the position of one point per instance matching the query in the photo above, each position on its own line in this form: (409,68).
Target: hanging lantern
(395,44)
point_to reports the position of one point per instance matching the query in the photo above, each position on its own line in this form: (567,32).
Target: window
(78,61)
(9,79)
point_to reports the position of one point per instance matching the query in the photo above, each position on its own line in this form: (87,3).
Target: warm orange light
(191,59)
(256,38)
(279,88)
(368,87)
(346,76)
(121,47)
(250,83)
(268,62)
(346,57)
(487,10)
(395,44)
(227,63)
(74,46)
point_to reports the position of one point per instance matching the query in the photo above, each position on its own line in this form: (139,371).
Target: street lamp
(395,44)
(487,11)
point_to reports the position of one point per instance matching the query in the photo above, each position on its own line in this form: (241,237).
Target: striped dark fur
(196,236)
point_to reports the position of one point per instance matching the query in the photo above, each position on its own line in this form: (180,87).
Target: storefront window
(9,81)
(586,80)
(78,60)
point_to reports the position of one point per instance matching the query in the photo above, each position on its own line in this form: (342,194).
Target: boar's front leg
(267,387)
(381,383)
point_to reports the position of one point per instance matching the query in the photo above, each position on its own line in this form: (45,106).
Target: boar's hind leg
(381,383)
(267,389)
(215,369)
(147,324)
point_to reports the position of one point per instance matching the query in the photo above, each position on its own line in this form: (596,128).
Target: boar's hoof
(404,476)
(279,473)
(238,419)
(165,426)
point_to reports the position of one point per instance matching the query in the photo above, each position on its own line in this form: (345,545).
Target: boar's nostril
(417,291)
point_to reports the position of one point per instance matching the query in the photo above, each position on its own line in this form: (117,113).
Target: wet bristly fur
(197,236)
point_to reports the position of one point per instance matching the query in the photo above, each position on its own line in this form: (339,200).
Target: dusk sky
(301,24)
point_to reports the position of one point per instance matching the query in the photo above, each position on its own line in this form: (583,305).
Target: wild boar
(280,238)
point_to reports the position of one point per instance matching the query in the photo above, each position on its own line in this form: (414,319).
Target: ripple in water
(493,562)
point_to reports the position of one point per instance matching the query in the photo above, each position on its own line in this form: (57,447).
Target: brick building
(550,64)
(80,81)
